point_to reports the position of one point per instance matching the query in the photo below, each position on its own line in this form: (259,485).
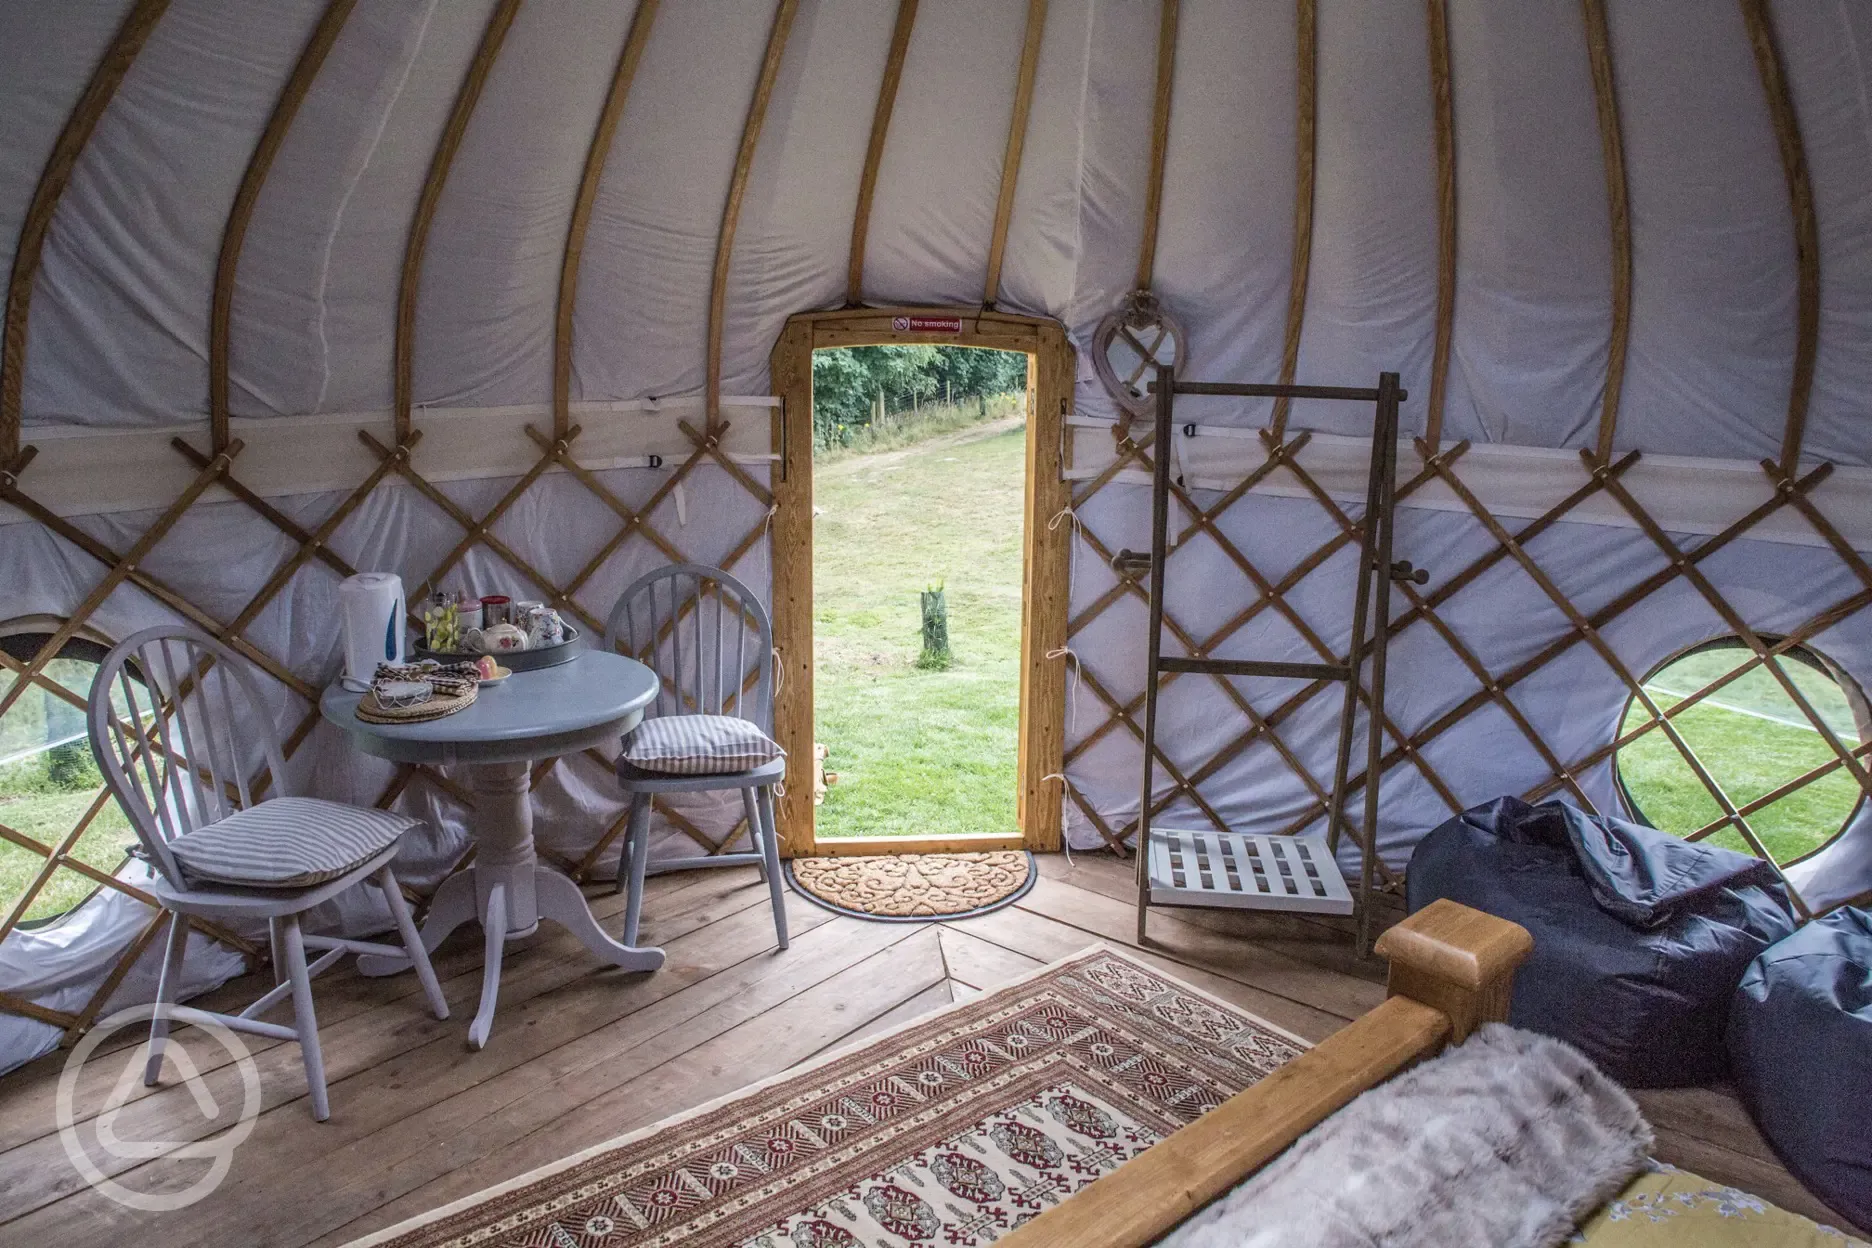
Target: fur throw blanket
(1507,1141)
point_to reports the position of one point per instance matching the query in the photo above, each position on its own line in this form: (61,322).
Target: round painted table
(592,700)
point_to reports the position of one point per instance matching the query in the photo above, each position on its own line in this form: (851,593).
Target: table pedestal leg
(453,905)
(504,854)
(509,891)
(561,901)
(493,940)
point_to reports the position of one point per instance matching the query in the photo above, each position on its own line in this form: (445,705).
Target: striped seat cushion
(698,745)
(289,842)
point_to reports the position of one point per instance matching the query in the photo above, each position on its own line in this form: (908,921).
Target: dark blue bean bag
(1639,937)
(1800,1044)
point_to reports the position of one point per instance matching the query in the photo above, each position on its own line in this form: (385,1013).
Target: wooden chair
(183,767)
(709,640)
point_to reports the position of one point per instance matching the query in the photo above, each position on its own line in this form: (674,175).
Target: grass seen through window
(48,781)
(1752,738)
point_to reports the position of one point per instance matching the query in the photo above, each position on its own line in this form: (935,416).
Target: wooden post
(1456,960)
(1761,31)
(791,370)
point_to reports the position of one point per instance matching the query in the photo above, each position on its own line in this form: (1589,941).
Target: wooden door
(1045,561)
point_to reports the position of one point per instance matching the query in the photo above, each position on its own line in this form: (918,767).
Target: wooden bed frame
(1452,969)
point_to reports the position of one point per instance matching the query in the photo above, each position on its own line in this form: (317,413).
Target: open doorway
(946,484)
(919,474)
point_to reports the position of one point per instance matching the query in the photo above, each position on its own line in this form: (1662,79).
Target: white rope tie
(1072,559)
(1065,813)
(766,536)
(1066,652)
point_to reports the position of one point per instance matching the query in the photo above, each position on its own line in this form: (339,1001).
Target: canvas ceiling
(117,348)
(120,313)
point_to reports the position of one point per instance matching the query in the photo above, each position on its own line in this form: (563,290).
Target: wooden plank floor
(580,1055)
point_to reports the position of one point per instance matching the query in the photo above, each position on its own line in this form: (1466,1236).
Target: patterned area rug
(906,887)
(950,1130)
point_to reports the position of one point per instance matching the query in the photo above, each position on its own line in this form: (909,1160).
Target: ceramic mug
(544,628)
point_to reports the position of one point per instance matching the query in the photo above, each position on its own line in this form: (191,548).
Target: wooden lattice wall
(400,459)
(1601,476)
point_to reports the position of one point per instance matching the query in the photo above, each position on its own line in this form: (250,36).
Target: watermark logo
(230,1125)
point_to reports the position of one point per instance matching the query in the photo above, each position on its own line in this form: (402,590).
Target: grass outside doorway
(919,752)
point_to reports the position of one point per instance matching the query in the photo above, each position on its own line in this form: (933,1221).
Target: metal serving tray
(529,660)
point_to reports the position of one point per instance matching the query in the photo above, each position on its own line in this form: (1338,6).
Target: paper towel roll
(370,609)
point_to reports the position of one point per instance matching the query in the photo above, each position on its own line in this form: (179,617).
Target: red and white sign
(927,324)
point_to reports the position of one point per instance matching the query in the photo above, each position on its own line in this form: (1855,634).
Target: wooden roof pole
(595,159)
(874,151)
(1017,138)
(1761,33)
(410,283)
(1160,141)
(1618,208)
(731,209)
(247,197)
(1443,121)
(110,71)
(1306,144)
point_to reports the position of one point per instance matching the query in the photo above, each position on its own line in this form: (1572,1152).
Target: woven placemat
(909,887)
(454,690)
(371,711)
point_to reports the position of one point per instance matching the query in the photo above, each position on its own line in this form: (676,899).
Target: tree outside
(859,393)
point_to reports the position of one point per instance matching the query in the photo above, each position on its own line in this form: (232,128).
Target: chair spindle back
(707,637)
(180,749)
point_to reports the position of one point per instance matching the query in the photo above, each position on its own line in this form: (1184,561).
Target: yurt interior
(880,623)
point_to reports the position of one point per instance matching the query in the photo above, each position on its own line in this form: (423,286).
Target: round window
(1754,741)
(50,787)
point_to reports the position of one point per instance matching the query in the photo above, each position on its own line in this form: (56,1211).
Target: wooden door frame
(1044,574)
